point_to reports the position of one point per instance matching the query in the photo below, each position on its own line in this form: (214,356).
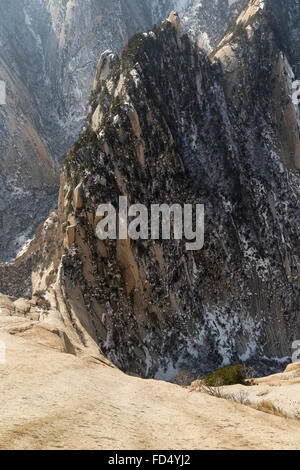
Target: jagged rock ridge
(168,124)
(225,141)
(49,52)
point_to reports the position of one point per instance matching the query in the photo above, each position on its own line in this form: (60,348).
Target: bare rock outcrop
(172,125)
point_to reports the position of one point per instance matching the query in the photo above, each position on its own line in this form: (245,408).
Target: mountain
(49,54)
(169,124)
(58,397)
(28,173)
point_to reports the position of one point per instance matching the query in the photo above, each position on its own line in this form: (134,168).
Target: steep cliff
(286,15)
(28,174)
(168,124)
(50,51)
(207,21)
(48,58)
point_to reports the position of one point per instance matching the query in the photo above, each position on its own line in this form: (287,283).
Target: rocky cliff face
(168,124)
(49,53)
(28,174)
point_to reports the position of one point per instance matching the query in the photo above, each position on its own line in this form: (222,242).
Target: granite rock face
(169,124)
(49,53)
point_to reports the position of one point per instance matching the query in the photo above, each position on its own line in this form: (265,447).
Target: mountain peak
(250,14)
(175,20)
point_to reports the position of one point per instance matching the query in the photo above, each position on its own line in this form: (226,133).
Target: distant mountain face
(169,124)
(50,51)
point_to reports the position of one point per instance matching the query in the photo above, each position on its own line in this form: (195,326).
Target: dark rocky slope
(206,21)
(169,125)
